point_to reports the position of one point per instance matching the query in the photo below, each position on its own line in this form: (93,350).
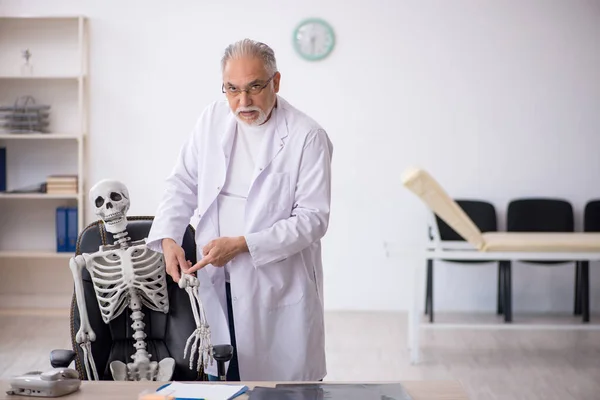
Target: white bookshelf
(59,50)
(45,136)
(23,196)
(35,254)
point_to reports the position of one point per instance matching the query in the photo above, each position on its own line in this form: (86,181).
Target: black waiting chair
(166,333)
(537,215)
(591,223)
(484,217)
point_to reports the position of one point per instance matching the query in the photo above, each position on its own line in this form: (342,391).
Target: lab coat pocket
(276,192)
(281,284)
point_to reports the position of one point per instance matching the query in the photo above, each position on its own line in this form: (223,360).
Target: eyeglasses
(252,90)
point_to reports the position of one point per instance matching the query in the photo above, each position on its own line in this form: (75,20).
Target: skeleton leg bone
(200,338)
(85,335)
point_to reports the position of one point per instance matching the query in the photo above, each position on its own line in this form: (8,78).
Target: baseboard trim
(37,301)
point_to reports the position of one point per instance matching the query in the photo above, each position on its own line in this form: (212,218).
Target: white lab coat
(277,288)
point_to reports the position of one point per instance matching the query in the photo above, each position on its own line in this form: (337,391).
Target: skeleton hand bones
(201,335)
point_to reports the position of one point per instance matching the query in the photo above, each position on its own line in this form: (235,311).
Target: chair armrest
(61,358)
(222,353)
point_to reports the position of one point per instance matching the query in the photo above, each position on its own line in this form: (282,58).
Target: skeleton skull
(111,201)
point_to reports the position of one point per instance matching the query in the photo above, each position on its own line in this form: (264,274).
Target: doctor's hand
(219,252)
(174,259)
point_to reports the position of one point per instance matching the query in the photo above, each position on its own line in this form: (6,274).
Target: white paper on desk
(206,391)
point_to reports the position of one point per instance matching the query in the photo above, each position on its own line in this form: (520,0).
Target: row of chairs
(523,215)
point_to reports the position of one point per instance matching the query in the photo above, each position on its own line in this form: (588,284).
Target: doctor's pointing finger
(219,252)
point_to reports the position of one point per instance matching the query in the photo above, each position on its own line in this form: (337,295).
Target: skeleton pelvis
(150,371)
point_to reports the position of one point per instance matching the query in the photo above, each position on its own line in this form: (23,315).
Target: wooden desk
(418,390)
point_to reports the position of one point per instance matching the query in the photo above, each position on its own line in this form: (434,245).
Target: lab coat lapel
(227,140)
(222,162)
(227,146)
(272,145)
(215,274)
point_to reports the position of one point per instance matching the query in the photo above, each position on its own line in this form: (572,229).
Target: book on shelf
(66,229)
(61,184)
(63,179)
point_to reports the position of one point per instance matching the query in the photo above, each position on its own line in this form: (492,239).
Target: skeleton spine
(141,355)
(122,239)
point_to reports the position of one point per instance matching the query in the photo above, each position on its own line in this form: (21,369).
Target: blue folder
(72,229)
(2,169)
(241,392)
(61,230)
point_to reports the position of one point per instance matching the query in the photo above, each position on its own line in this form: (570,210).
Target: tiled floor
(368,346)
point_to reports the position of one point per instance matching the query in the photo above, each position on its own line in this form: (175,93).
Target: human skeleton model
(127,273)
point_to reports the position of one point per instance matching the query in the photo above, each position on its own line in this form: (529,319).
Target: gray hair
(248,47)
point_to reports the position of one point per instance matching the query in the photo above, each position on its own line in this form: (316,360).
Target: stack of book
(61,184)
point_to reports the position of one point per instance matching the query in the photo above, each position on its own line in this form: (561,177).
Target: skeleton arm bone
(85,335)
(200,338)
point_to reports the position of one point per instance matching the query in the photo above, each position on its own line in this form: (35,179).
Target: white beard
(261,119)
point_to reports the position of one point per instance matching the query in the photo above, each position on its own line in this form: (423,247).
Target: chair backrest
(439,202)
(166,333)
(540,215)
(591,216)
(482,213)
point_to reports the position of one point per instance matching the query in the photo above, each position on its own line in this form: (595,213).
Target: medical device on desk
(52,383)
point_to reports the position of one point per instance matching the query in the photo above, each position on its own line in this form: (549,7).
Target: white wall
(497,99)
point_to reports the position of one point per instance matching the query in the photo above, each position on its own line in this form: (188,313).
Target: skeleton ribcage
(116,272)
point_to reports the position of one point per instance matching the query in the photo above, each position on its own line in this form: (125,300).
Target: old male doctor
(258,171)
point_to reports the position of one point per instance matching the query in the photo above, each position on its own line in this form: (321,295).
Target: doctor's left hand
(219,252)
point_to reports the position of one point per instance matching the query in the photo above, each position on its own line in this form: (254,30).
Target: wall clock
(314,39)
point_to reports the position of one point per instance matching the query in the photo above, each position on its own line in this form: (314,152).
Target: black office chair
(166,333)
(536,215)
(483,215)
(591,223)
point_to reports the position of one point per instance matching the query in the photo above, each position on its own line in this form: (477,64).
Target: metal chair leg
(578,281)
(427,286)
(500,299)
(507,293)
(585,290)
(430,288)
